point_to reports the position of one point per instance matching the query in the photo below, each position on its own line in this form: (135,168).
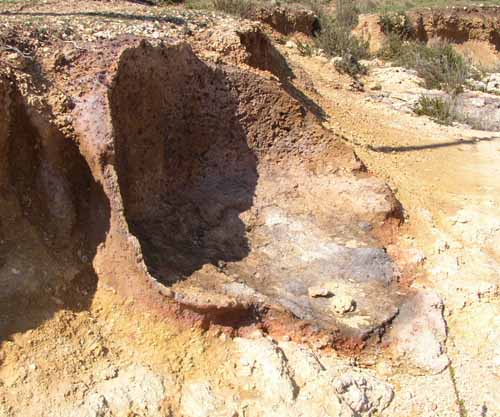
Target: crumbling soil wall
(261,54)
(459,25)
(184,165)
(53,213)
(287,20)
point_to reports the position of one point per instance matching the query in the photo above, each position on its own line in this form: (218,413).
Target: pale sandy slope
(448,180)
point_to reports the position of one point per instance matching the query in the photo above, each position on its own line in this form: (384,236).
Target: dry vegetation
(381,6)
(438,63)
(335,38)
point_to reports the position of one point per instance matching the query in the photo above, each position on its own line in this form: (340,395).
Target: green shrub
(393,48)
(398,24)
(242,8)
(350,65)
(439,64)
(438,109)
(337,40)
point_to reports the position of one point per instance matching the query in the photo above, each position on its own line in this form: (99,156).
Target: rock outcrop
(459,24)
(475,25)
(287,20)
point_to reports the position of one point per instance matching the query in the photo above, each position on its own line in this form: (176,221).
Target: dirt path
(447,179)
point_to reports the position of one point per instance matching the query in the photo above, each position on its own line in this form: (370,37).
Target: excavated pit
(473,30)
(185,169)
(238,197)
(459,25)
(205,190)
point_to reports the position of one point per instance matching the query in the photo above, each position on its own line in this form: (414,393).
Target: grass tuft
(241,8)
(438,109)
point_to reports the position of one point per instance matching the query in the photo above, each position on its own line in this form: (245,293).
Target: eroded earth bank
(187,230)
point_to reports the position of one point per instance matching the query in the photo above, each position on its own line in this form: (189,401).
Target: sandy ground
(447,179)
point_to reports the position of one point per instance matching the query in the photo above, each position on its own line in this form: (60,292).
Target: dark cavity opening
(184,166)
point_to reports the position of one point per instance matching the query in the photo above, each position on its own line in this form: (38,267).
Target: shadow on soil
(396,149)
(103,15)
(53,218)
(185,169)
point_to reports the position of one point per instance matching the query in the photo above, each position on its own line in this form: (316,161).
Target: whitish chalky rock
(199,400)
(286,379)
(263,362)
(296,382)
(343,304)
(134,391)
(315,292)
(303,362)
(363,393)
(329,387)
(493,83)
(419,332)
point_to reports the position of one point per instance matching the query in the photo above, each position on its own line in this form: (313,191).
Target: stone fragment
(315,292)
(343,304)
(199,400)
(419,332)
(134,391)
(264,363)
(493,83)
(364,394)
(335,59)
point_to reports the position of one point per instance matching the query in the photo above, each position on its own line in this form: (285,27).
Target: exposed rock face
(369,29)
(202,190)
(402,88)
(274,379)
(459,25)
(420,332)
(137,390)
(287,20)
(492,83)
